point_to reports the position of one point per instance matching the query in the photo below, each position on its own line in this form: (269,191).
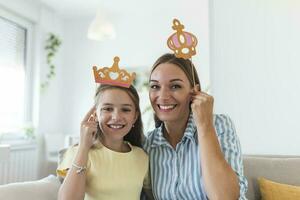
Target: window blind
(12,75)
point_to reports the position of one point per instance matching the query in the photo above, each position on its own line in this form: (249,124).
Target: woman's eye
(154,86)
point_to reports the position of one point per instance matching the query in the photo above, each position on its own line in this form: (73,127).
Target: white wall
(51,99)
(28,9)
(141,39)
(255,67)
(48,103)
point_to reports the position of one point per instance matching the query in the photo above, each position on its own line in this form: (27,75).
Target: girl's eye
(107,109)
(126,109)
(176,86)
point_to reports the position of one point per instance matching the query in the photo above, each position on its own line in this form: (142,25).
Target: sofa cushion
(282,169)
(44,189)
(277,191)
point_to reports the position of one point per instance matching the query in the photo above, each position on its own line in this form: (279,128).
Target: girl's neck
(115,145)
(174,131)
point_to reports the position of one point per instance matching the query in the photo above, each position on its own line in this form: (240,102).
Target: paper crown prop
(182,43)
(113,75)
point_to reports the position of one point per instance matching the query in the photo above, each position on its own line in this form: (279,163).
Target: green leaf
(51,46)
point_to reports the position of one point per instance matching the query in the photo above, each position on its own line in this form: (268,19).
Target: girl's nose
(115,115)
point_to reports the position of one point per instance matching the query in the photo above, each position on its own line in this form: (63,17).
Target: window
(15,73)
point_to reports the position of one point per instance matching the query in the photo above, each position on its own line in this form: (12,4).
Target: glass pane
(12,75)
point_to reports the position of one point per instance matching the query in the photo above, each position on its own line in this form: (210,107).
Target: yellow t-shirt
(111,175)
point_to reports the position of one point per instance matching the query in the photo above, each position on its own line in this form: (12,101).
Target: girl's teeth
(115,126)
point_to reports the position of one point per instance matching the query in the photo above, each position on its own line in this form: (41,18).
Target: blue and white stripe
(176,173)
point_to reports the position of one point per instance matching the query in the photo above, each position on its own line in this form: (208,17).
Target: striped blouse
(176,173)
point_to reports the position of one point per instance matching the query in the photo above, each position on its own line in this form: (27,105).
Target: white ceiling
(79,8)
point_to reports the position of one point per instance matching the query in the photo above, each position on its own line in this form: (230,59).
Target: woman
(193,153)
(108,163)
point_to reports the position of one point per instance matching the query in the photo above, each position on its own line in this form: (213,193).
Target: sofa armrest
(43,189)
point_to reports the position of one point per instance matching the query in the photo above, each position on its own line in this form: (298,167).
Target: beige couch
(282,169)
(44,189)
(285,169)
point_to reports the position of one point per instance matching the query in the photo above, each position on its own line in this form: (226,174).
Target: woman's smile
(166,107)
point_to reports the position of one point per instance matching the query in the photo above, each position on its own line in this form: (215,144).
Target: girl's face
(116,113)
(170,93)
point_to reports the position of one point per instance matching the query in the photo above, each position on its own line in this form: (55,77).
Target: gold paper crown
(113,75)
(182,43)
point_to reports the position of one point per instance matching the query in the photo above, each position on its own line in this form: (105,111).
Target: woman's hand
(88,129)
(202,108)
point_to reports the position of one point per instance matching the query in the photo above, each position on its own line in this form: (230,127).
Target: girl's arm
(73,187)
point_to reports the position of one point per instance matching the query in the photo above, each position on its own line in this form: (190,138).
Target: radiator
(21,164)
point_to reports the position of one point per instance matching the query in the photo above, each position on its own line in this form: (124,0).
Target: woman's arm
(220,180)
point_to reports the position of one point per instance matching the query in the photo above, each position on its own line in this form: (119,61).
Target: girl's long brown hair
(135,134)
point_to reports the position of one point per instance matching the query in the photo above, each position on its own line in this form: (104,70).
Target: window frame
(29,72)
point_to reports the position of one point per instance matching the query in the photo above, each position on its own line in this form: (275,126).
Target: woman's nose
(164,93)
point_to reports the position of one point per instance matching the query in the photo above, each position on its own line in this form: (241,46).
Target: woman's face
(116,113)
(170,93)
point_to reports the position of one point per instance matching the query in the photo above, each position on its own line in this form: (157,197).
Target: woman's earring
(132,125)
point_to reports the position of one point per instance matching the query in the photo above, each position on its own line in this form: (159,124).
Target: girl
(108,163)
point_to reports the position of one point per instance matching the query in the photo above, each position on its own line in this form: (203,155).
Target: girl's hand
(202,108)
(88,129)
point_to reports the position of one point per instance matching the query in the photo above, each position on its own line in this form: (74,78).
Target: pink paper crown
(113,75)
(182,43)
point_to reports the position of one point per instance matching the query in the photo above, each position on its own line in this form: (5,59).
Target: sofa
(283,169)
